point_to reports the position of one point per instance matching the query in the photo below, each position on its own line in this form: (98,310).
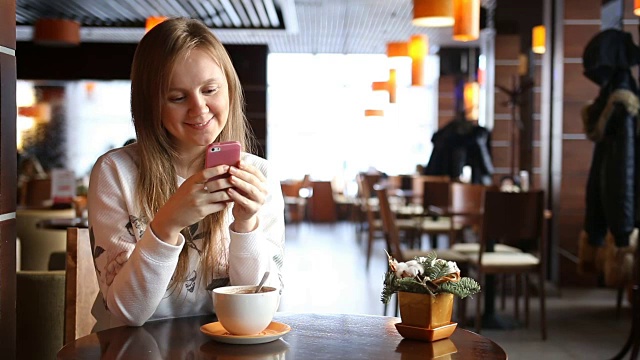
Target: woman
(161,233)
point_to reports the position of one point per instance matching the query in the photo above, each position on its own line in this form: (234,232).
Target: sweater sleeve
(133,266)
(251,254)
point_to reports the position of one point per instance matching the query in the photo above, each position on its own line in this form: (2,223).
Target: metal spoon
(264,278)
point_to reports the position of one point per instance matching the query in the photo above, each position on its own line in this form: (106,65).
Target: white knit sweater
(134,267)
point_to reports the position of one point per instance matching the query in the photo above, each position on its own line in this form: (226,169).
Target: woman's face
(197,104)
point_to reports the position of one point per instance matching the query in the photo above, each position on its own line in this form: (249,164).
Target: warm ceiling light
(372,112)
(389,85)
(395,49)
(57,32)
(418,50)
(466,14)
(433,13)
(538,39)
(636,7)
(153,21)
(471,95)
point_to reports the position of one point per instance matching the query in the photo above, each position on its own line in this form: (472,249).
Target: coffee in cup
(243,312)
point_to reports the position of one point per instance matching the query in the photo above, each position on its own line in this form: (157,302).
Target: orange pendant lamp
(471,95)
(433,13)
(636,7)
(466,14)
(538,39)
(396,49)
(152,21)
(389,85)
(418,50)
(373,112)
(56,32)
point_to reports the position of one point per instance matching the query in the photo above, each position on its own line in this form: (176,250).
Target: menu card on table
(63,187)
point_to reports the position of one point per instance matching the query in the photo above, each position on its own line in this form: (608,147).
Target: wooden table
(312,336)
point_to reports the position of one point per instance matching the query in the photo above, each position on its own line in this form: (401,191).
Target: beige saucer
(273,332)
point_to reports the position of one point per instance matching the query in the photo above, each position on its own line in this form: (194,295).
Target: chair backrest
(322,205)
(81,286)
(36,192)
(419,180)
(467,199)
(513,217)
(389,225)
(436,193)
(37,244)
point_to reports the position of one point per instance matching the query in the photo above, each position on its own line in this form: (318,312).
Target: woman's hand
(195,198)
(248,193)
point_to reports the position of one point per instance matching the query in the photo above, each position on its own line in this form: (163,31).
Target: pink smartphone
(222,153)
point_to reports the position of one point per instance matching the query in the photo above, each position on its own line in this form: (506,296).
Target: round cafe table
(312,336)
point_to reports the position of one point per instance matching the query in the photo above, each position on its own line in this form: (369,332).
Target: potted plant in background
(426,286)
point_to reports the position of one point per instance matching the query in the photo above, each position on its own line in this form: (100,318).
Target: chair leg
(369,247)
(503,290)
(619,300)
(526,300)
(543,313)
(434,241)
(478,313)
(516,296)
(462,312)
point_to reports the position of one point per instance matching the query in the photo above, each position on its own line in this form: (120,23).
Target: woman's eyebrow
(206,82)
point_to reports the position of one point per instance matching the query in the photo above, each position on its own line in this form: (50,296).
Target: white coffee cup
(243,312)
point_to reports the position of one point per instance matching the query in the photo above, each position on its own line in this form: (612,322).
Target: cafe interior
(396,127)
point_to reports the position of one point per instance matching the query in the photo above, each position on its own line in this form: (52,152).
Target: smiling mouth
(201,125)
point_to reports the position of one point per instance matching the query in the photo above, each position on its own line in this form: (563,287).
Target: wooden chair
(392,235)
(35,192)
(81,287)
(436,197)
(322,206)
(516,219)
(465,210)
(375,228)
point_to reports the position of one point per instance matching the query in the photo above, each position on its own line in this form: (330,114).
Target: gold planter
(424,310)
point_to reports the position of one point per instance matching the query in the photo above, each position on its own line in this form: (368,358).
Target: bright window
(316,123)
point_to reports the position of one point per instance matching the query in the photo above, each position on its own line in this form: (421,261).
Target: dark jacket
(611,123)
(457,144)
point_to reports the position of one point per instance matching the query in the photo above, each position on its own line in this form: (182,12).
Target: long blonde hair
(151,71)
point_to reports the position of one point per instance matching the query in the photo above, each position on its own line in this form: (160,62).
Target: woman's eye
(176,98)
(210,91)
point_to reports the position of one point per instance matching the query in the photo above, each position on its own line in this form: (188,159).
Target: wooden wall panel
(8,177)
(8,24)
(446,99)
(501,156)
(507,52)
(582,9)
(576,39)
(576,156)
(501,130)
(507,47)
(573,193)
(571,113)
(536,157)
(504,77)
(576,86)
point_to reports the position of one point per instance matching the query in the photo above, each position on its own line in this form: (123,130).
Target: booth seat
(37,244)
(39,313)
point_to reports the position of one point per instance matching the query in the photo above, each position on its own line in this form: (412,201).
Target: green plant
(426,275)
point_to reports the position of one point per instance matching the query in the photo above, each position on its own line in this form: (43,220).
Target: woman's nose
(198,106)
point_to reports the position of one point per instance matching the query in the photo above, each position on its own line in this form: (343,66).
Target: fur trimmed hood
(594,122)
